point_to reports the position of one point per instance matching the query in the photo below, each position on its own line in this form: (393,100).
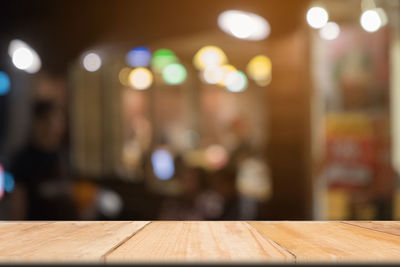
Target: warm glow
(140,78)
(370,21)
(209,56)
(226,70)
(259,69)
(330,31)
(317,17)
(91,62)
(216,156)
(24,57)
(124,76)
(244,25)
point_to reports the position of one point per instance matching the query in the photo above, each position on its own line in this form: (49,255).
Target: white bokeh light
(244,25)
(330,31)
(140,78)
(236,81)
(317,17)
(109,203)
(213,74)
(24,57)
(91,62)
(370,21)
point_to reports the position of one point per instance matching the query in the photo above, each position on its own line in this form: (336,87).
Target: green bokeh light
(163,58)
(174,74)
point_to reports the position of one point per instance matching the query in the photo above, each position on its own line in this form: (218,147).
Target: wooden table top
(208,242)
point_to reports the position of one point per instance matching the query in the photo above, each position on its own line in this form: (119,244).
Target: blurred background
(200,110)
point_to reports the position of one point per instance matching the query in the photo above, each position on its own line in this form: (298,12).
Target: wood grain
(389,227)
(199,242)
(62,241)
(332,241)
(222,242)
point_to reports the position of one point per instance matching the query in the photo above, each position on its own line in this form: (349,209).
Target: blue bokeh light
(139,57)
(9,182)
(1,181)
(163,164)
(4,83)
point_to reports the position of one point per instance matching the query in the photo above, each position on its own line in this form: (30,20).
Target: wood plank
(332,241)
(62,241)
(199,242)
(390,227)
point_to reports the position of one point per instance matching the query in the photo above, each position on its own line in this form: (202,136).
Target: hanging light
(24,57)
(317,17)
(244,25)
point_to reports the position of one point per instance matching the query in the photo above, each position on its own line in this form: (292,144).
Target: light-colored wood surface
(199,241)
(222,242)
(381,226)
(332,241)
(62,241)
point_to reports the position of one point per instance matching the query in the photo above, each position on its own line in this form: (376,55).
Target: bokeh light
(317,17)
(253,179)
(2,176)
(174,74)
(216,156)
(91,62)
(382,15)
(140,78)
(213,74)
(370,21)
(123,76)
(259,69)
(226,70)
(330,31)
(163,164)
(162,58)
(4,83)
(9,182)
(139,57)
(24,57)
(209,56)
(109,203)
(236,81)
(244,25)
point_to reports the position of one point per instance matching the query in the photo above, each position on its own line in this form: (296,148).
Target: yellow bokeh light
(140,78)
(226,70)
(209,56)
(259,69)
(124,76)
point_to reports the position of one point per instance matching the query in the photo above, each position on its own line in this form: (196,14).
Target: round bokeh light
(209,56)
(174,74)
(140,78)
(236,81)
(163,164)
(139,57)
(91,62)
(162,58)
